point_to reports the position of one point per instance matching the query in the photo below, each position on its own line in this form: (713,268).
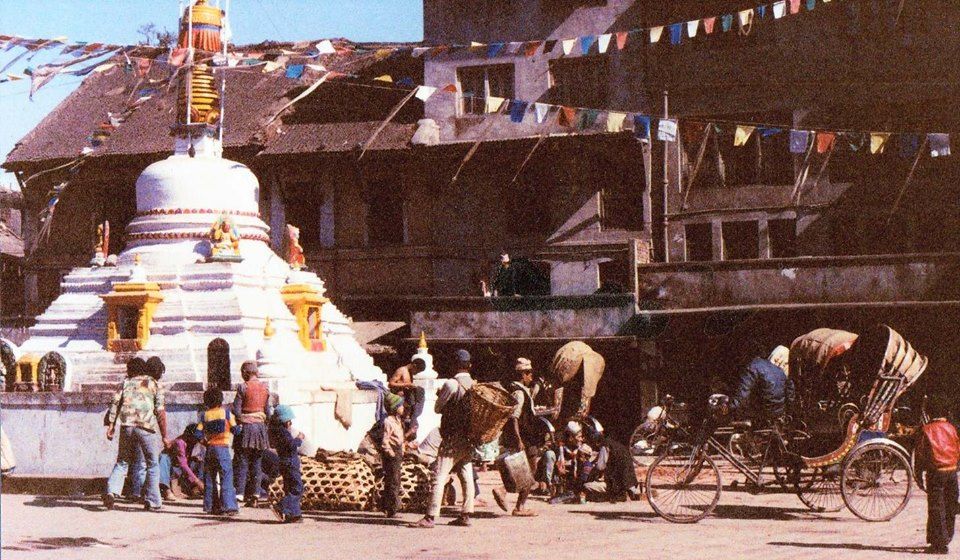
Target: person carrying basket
(456,451)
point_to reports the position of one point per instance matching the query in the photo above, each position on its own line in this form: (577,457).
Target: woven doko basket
(338,484)
(490,407)
(351,485)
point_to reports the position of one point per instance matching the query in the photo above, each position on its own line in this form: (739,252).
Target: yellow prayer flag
(742,134)
(475,44)
(493,104)
(615,121)
(382,54)
(104,67)
(15,77)
(270,66)
(878,142)
(385,78)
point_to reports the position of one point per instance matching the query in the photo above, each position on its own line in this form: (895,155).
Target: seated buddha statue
(224,239)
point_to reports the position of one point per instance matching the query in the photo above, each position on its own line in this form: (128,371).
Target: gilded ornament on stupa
(203,23)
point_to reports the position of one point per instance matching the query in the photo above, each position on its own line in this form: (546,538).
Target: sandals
(524,513)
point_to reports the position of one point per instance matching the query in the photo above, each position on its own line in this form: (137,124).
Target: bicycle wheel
(818,488)
(683,486)
(876,482)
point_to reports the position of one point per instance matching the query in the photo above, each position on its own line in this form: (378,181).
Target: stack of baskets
(350,484)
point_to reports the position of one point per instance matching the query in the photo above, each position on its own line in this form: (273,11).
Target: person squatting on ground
(615,464)
(573,462)
(519,434)
(217,426)
(139,410)
(252,408)
(938,454)
(391,453)
(287,445)
(401,382)
(455,451)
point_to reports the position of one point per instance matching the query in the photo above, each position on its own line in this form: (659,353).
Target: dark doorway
(218,365)
(699,239)
(741,240)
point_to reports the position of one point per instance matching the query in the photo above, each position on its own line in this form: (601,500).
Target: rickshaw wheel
(876,482)
(683,487)
(818,489)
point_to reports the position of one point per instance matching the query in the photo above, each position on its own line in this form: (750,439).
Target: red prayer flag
(450,88)
(622,39)
(530,48)
(178,56)
(567,116)
(708,24)
(825,141)
(794,6)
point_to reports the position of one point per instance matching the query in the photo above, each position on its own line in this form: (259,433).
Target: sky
(117,21)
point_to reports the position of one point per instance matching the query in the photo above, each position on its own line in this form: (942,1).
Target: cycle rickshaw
(835,453)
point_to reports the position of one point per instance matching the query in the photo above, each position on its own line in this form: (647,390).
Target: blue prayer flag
(517,110)
(909,145)
(294,71)
(761,11)
(641,127)
(493,49)
(676,33)
(726,22)
(406,82)
(799,139)
(811,4)
(586,42)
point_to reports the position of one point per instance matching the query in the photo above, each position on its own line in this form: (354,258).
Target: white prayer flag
(493,104)
(568,46)
(667,130)
(603,42)
(424,92)
(692,27)
(779,9)
(326,47)
(541,110)
(655,33)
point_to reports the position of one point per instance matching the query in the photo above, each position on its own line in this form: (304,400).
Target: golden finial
(136,259)
(268,330)
(423,341)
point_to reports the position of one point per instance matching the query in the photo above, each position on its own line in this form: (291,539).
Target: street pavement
(744,526)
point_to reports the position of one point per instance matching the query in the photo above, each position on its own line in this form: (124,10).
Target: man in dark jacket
(765,389)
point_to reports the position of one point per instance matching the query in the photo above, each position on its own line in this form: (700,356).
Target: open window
(479,82)
(310,208)
(699,242)
(783,238)
(741,240)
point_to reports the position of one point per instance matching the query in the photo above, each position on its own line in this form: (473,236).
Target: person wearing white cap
(519,435)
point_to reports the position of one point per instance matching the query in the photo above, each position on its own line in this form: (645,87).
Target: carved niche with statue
(224,241)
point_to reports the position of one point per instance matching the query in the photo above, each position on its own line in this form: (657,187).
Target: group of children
(219,426)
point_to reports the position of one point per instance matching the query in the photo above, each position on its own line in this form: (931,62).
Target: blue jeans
(139,473)
(249,471)
(133,441)
(218,466)
(292,486)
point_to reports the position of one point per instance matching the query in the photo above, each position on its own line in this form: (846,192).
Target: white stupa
(195,301)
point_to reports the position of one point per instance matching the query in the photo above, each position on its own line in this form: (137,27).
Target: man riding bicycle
(765,388)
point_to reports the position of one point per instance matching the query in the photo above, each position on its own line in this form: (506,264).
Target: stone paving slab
(744,526)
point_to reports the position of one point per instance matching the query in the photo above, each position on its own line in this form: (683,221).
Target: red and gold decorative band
(175,211)
(190,235)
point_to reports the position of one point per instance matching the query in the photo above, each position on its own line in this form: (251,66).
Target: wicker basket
(490,407)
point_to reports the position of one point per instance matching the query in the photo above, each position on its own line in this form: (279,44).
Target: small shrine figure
(102,247)
(224,241)
(295,256)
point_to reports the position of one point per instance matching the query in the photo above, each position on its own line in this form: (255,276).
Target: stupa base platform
(62,434)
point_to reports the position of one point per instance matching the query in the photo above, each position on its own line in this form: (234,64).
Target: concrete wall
(529,317)
(802,280)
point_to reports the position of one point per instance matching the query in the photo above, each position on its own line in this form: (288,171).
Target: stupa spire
(199,104)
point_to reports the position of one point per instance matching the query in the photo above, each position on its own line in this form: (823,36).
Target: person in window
(505,280)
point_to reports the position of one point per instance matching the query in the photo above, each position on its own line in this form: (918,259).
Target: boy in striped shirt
(217,429)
